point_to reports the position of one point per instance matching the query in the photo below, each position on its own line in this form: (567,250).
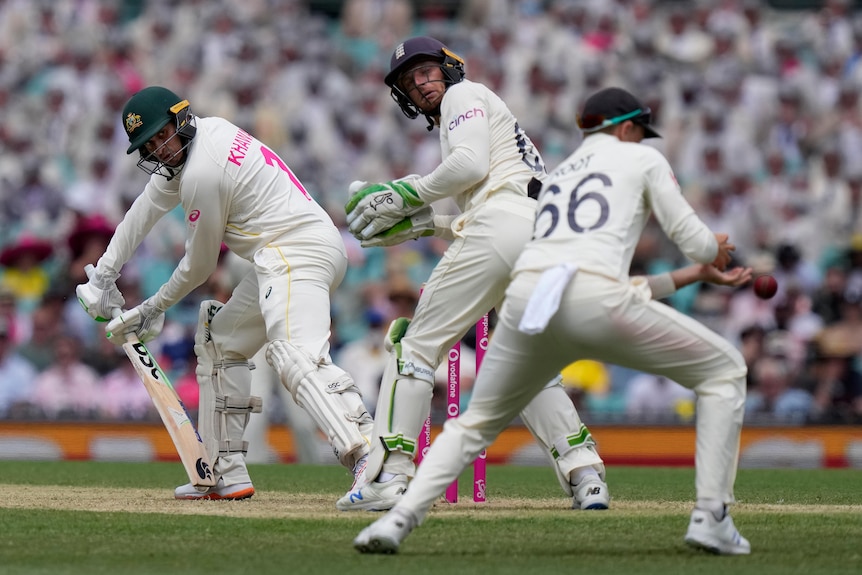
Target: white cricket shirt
(485,153)
(594,206)
(233,189)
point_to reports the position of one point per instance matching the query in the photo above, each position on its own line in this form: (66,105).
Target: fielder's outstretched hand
(709,273)
(378,207)
(724,252)
(733,277)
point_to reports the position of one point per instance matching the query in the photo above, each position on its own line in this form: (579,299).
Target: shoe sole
(241,494)
(379,546)
(599,505)
(715,549)
(372,508)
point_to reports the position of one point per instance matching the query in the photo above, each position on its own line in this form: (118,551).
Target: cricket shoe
(591,493)
(386,534)
(719,537)
(374,496)
(217,491)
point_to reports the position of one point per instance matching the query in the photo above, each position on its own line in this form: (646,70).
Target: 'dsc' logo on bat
(147,360)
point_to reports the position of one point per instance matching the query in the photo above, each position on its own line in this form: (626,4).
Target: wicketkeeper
(235,190)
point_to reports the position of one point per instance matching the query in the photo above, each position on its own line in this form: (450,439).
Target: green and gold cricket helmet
(150,110)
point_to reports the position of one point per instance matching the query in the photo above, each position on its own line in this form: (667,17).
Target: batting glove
(418,225)
(145,321)
(378,207)
(99,296)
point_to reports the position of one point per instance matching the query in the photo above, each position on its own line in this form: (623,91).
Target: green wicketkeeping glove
(378,207)
(418,225)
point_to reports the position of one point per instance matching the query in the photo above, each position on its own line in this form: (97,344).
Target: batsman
(493,171)
(235,190)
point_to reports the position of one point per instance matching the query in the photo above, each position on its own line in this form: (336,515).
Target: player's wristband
(661,285)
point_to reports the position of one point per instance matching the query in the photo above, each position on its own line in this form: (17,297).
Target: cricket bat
(174,414)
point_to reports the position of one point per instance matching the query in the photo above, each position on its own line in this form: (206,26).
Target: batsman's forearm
(136,224)
(183,281)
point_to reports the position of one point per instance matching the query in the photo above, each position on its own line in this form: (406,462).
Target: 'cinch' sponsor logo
(474,113)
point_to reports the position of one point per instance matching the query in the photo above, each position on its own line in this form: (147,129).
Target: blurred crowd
(758,108)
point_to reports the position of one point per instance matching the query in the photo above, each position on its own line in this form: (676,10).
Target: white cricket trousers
(610,321)
(287,296)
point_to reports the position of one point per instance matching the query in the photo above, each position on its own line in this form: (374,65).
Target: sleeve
(675,215)
(469,158)
(661,285)
(158,199)
(206,219)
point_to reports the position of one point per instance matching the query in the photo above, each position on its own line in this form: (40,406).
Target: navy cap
(612,106)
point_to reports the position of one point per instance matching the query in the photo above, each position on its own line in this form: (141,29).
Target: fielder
(235,190)
(571,298)
(490,167)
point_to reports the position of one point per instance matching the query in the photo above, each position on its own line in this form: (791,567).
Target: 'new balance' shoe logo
(595,491)
(354,497)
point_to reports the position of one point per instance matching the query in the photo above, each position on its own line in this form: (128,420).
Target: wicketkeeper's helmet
(146,113)
(411,51)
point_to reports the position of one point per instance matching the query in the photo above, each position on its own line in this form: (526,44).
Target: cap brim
(649,132)
(144,137)
(393,74)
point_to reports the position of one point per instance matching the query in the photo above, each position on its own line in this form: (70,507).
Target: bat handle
(131,337)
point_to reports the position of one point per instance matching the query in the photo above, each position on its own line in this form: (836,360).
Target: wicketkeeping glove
(99,296)
(378,207)
(418,225)
(146,321)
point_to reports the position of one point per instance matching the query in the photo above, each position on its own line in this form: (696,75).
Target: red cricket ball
(765,286)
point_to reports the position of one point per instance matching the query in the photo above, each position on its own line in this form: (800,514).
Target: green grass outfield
(120,518)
